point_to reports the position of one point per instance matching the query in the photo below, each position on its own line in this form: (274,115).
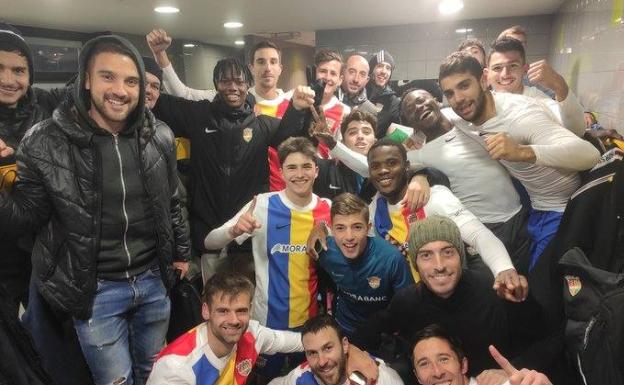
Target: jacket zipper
(123,203)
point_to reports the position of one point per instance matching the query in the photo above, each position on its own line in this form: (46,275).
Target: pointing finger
(502,361)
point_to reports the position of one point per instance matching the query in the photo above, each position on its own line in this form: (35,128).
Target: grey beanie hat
(431,229)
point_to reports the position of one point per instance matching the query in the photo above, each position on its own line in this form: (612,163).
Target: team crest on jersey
(574,284)
(247,134)
(287,248)
(330,122)
(244,367)
(374,282)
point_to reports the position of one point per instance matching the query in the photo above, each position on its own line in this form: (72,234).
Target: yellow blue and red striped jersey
(286,279)
(190,360)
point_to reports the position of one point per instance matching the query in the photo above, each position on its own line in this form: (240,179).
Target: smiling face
(330,72)
(439,266)
(382,73)
(505,71)
(435,363)
(466,95)
(359,136)
(421,111)
(266,68)
(355,75)
(227,318)
(351,233)
(387,170)
(326,355)
(113,81)
(299,172)
(233,89)
(14,78)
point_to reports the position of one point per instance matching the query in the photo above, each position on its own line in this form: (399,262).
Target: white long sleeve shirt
(569,111)
(174,86)
(560,154)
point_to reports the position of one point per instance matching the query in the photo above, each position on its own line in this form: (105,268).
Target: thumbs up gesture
(247,223)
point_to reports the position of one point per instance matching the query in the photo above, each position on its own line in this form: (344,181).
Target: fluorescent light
(166,9)
(463,30)
(447,7)
(189,45)
(239,42)
(233,24)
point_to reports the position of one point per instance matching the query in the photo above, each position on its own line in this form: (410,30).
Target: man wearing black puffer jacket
(99,182)
(379,92)
(21,107)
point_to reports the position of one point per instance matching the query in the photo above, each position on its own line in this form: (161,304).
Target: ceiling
(203,20)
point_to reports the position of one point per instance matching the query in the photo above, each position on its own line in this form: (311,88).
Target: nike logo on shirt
(207,131)
(331,186)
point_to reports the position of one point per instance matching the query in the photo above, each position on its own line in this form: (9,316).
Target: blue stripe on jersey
(278,232)
(306,378)
(383,223)
(205,373)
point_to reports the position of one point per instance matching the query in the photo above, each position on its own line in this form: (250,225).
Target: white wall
(418,49)
(588,49)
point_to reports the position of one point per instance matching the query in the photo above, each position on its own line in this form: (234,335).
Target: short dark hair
(110,46)
(391,143)
(264,44)
(228,283)
(507,44)
(514,29)
(320,322)
(348,204)
(357,115)
(293,145)
(471,43)
(325,55)
(459,63)
(231,66)
(437,331)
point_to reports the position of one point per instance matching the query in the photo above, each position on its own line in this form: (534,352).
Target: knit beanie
(12,36)
(431,229)
(382,56)
(152,67)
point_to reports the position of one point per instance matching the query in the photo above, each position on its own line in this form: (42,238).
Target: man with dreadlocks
(229,163)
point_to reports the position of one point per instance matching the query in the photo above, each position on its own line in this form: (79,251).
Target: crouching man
(326,351)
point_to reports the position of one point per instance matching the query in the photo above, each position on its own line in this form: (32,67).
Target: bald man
(353,89)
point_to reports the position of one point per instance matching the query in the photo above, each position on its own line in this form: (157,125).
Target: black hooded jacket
(390,113)
(60,194)
(229,154)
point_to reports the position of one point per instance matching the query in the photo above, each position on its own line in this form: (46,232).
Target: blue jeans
(126,330)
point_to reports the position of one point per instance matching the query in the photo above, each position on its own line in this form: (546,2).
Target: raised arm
(158,41)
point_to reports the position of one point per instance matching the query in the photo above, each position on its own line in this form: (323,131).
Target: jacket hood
(82,96)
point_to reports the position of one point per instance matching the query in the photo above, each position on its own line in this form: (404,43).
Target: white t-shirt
(174,86)
(481,183)
(560,154)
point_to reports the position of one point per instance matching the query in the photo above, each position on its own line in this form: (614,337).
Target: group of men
(292,197)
